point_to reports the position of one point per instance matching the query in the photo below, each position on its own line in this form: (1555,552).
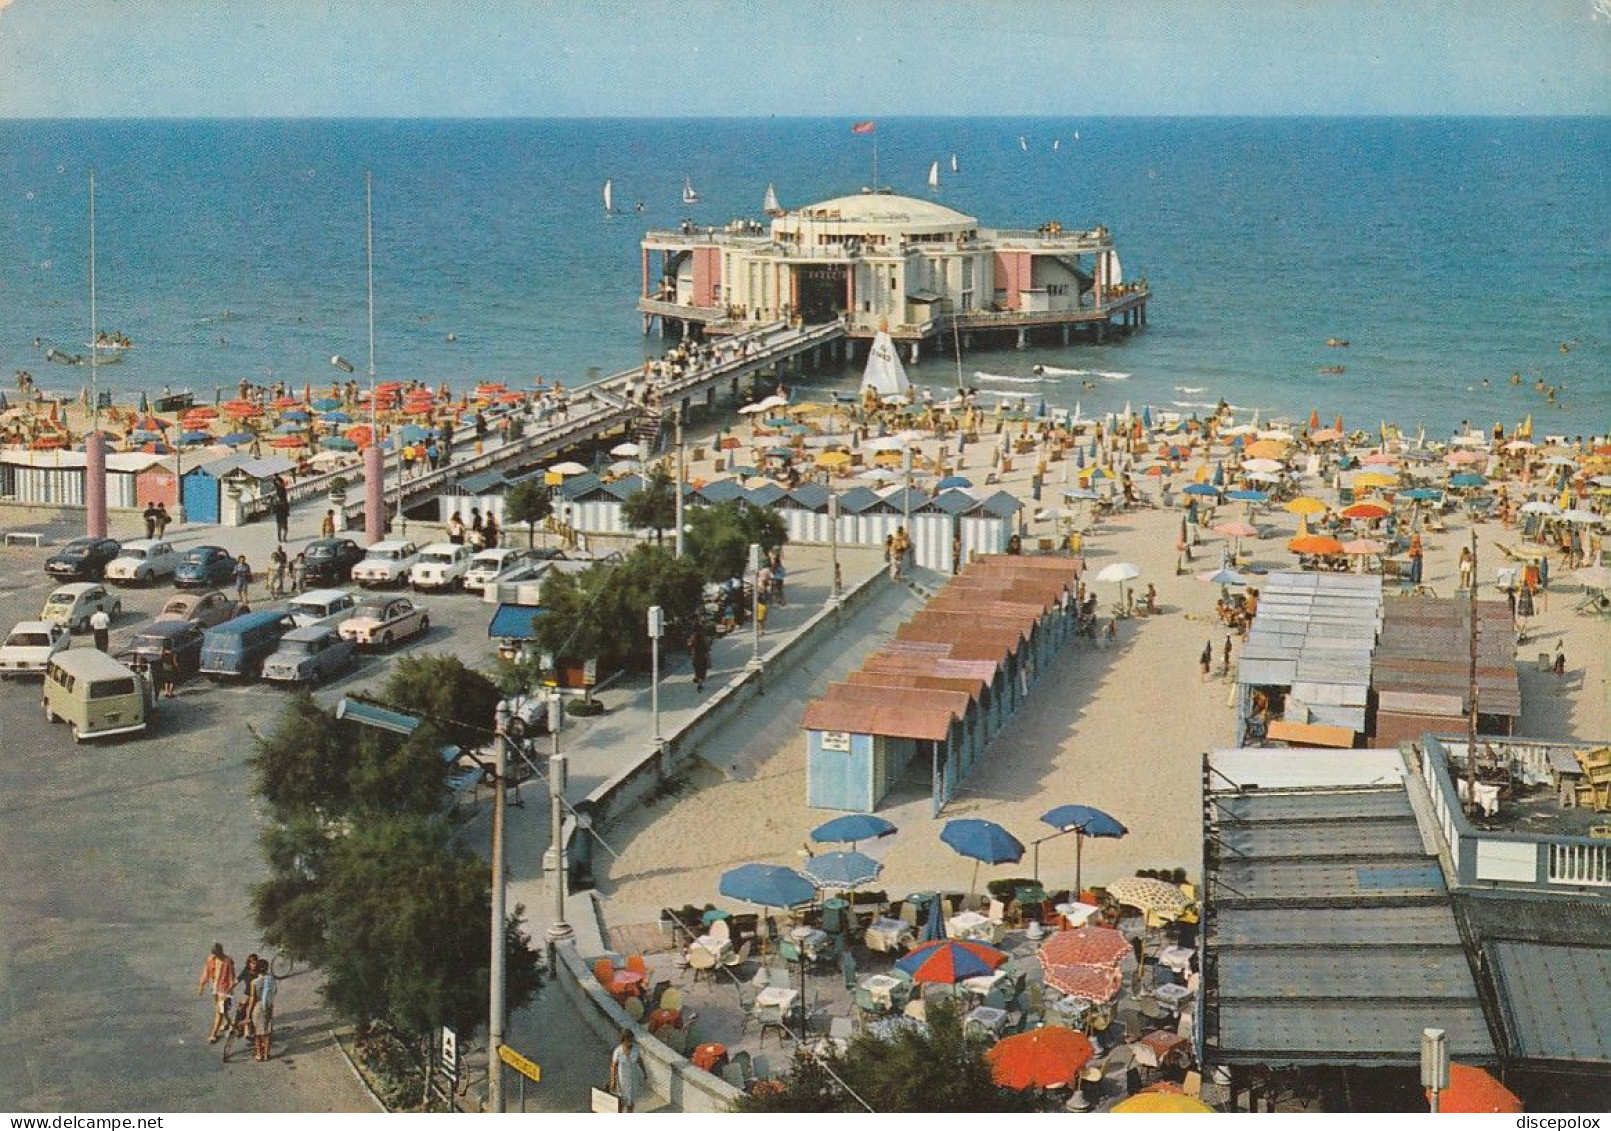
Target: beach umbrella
(1421,494)
(1378,459)
(876,474)
(338,444)
(885,444)
(1362,547)
(236,438)
(569,467)
(1463,456)
(1265,449)
(195,437)
(1161,1103)
(1581,517)
(1083,493)
(1155,897)
(287,442)
(933,922)
(412,433)
(336,417)
(1368,479)
(1263,477)
(1366,511)
(143,435)
(1326,436)
(767,885)
(851,828)
(144,404)
(1222,576)
(1118,573)
(1246,496)
(951,481)
(285,402)
(774,401)
(1472,1091)
(982,841)
(1146,416)
(833,459)
(295,414)
(288,428)
(201,412)
(1467,479)
(627,450)
(842,869)
(1321,544)
(1082,821)
(1092,981)
(1094,946)
(1048,1057)
(751,409)
(1203,489)
(1237,529)
(1306,505)
(1261,465)
(948,961)
(325,404)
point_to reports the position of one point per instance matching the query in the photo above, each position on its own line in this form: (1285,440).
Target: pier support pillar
(1022,337)
(662,325)
(967,341)
(95,485)
(1101,331)
(710,396)
(374,494)
(1143,312)
(1065,333)
(914,352)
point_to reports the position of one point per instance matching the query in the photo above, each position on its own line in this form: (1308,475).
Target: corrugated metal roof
(1425,649)
(1557,999)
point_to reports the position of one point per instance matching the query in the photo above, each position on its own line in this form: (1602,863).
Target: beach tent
(885,375)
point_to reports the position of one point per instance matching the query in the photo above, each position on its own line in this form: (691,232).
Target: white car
(382,621)
(441,565)
(386,563)
(321,606)
(30,646)
(143,561)
(506,563)
(71,606)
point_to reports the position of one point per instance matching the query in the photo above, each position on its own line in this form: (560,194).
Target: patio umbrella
(295,414)
(984,842)
(627,450)
(1082,821)
(1207,489)
(569,467)
(1472,1090)
(1093,981)
(1237,529)
(774,401)
(338,444)
(1363,547)
(1421,494)
(1222,576)
(949,961)
(1261,465)
(1161,1103)
(934,923)
(1049,1057)
(1119,573)
(1581,517)
(767,885)
(1366,511)
(1247,496)
(234,438)
(1306,505)
(195,437)
(1467,479)
(1145,894)
(1315,544)
(951,481)
(842,869)
(412,433)
(851,828)
(288,428)
(1094,946)
(143,435)
(325,404)
(1368,479)
(335,417)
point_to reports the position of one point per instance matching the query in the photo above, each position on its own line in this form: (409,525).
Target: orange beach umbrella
(1471,1090)
(1048,1057)
(1315,544)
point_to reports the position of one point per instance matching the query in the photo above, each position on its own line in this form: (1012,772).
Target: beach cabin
(253,478)
(51,478)
(138,479)
(483,491)
(514,629)
(594,506)
(716,492)
(805,513)
(935,530)
(986,529)
(854,506)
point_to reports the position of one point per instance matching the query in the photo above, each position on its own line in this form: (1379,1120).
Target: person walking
(243,579)
(267,987)
(455,529)
(327,528)
(150,516)
(699,656)
(282,519)
(163,519)
(627,1071)
(219,973)
(1206,660)
(1225,666)
(101,625)
(1560,658)
(490,532)
(245,1023)
(277,567)
(167,674)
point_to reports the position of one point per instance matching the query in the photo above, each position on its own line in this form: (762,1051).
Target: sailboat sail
(770,206)
(934,175)
(953,162)
(885,375)
(1023,143)
(689,196)
(1057,143)
(609,194)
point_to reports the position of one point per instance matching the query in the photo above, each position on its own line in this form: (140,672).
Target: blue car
(204,567)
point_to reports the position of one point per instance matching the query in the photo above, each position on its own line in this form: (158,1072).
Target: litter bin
(1545,662)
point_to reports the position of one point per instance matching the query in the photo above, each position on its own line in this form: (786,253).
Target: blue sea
(1451,253)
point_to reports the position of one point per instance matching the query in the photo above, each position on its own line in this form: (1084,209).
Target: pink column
(374,494)
(95,485)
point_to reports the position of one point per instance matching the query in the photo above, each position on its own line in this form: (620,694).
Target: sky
(801,58)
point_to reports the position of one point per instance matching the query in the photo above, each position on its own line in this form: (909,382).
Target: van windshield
(111,688)
(28,640)
(61,599)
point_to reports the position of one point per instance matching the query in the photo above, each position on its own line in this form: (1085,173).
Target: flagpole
(875,159)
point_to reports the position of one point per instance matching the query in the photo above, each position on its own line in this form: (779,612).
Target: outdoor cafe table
(887,934)
(624,982)
(1171,994)
(991,1018)
(719,948)
(1176,958)
(1075,915)
(970,925)
(982,984)
(810,939)
(780,996)
(881,986)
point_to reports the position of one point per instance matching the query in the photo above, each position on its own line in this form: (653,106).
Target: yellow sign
(527,1068)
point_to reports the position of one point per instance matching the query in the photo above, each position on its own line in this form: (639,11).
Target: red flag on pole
(861,127)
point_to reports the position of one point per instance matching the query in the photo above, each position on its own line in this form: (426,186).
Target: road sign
(527,1068)
(450,1054)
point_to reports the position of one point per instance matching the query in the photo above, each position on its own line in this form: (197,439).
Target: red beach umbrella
(1366,510)
(1049,1057)
(1473,1091)
(286,402)
(1098,946)
(1091,981)
(949,961)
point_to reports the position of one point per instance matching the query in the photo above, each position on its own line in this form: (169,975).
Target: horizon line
(1383,116)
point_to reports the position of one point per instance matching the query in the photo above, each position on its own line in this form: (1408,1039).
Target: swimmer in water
(1089,385)
(1515,378)
(1038,370)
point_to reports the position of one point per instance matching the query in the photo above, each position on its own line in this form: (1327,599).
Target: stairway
(648,430)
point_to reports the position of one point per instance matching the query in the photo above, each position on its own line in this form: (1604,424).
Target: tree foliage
(529,501)
(602,612)
(941,1069)
(719,537)
(654,506)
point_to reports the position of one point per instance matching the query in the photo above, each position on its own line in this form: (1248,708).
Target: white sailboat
(689,196)
(1057,143)
(770,205)
(953,162)
(885,375)
(609,196)
(1023,143)
(934,176)
(1076,135)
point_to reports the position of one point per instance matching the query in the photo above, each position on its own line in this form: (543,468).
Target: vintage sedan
(383,621)
(206,609)
(386,563)
(310,655)
(179,639)
(71,606)
(143,561)
(505,564)
(30,646)
(441,565)
(329,561)
(203,567)
(83,559)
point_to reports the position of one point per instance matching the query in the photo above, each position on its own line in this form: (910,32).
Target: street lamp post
(559,930)
(833,547)
(755,606)
(1434,1063)
(681,472)
(657,624)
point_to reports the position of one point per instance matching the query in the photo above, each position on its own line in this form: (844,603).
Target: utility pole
(495,1004)
(1471,727)
(681,473)
(560,930)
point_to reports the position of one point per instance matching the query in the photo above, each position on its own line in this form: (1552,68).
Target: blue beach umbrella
(767,885)
(1219,475)
(1421,494)
(1079,457)
(1248,496)
(1041,411)
(953,481)
(338,444)
(296,414)
(412,433)
(335,418)
(934,925)
(143,435)
(237,438)
(851,828)
(1146,417)
(1082,821)
(950,961)
(842,869)
(1202,489)
(1467,479)
(144,405)
(982,841)
(289,428)
(195,437)
(325,404)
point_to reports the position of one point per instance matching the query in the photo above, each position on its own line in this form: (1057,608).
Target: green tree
(940,1069)
(456,702)
(602,613)
(719,537)
(305,762)
(654,507)
(529,501)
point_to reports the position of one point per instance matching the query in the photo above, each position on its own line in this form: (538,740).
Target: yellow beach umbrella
(1162,1103)
(1265,449)
(1375,479)
(1306,505)
(833,459)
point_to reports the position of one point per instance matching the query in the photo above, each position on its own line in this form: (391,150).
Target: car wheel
(77,737)
(386,641)
(117,609)
(425,625)
(50,716)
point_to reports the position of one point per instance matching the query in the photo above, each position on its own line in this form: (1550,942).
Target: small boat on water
(609,196)
(104,356)
(953,162)
(1332,370)
(689,195)
(934,177)
(1336,342)
(770,205)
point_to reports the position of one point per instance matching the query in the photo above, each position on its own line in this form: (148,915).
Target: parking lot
(124,859)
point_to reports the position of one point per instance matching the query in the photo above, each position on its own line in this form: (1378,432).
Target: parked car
(203,567)
(386,563)
(30,646)
(72,605)
(206,609)
(83,559)
(383,621)
(183,637)
(504,564)
(330,561)
(321,606)
(237,648)
(142,561)
(308,655)
(95,695)
(441,565)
